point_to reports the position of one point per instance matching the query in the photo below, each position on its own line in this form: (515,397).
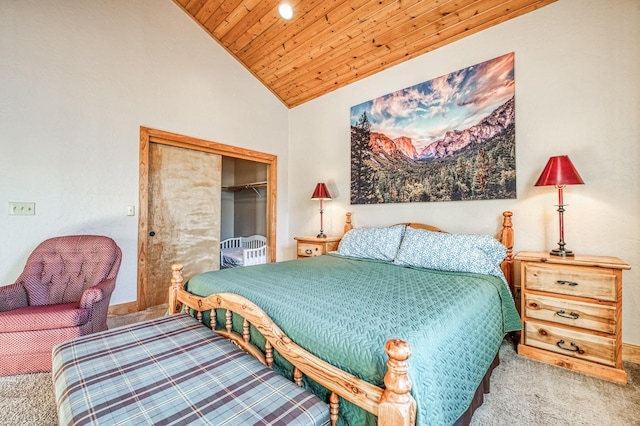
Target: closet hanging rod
(252,185)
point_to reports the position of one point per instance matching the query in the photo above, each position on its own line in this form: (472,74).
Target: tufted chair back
(60,269)
(63,292)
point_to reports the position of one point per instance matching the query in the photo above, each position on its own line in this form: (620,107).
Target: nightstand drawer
(571,280)
(584,346)
(577,314)
(310,249)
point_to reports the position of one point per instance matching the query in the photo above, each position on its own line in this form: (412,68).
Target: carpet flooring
(524,392)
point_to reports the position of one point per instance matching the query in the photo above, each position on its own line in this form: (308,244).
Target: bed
(446,295)
(243,251)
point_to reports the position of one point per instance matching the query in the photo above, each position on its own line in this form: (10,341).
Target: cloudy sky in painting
(456,101)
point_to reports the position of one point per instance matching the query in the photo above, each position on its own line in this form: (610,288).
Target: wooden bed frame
(393,404)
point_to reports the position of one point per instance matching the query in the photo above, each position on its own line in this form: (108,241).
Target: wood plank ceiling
(331,43)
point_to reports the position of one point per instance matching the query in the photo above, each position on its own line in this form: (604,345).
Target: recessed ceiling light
(285,11)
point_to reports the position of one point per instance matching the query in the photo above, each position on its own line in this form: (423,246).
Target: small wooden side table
(314,246)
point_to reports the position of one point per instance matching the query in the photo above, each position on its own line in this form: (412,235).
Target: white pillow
(372,243)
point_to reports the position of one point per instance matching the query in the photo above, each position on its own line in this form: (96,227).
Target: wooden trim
(631,353)
(393,405)
(123,308)
(147,136)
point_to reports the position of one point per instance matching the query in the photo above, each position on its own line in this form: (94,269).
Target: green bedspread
(345,309)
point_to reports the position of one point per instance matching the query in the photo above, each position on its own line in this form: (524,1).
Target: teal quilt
(344,309)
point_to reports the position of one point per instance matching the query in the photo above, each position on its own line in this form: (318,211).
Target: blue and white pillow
(480,254)
(372,243)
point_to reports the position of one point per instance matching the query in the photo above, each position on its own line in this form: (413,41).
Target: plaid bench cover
(173,370)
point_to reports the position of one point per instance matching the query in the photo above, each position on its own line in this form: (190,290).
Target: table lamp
(321,193)
(560,172)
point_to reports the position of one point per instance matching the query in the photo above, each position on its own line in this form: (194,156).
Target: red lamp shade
(321,192)
(559,171)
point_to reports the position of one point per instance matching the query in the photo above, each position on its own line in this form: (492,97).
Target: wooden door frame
(147,136)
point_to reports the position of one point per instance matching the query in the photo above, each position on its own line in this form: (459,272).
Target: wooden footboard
(393,405)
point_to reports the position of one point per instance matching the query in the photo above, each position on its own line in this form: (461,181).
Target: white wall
(577,93)
(77,80)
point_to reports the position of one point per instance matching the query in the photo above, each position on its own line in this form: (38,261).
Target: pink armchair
(63,292)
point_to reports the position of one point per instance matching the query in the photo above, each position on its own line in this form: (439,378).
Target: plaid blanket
(173,370)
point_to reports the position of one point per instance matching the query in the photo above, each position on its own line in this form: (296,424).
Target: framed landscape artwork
(447,139)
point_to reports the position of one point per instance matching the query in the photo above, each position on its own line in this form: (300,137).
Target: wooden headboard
(505,236)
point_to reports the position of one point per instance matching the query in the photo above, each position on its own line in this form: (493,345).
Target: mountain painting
(447,139)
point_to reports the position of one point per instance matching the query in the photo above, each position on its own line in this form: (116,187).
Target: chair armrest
(13,296)
(97,293)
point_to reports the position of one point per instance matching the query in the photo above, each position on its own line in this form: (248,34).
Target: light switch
(22,209)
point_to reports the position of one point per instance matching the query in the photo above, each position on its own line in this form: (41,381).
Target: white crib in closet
(243,251)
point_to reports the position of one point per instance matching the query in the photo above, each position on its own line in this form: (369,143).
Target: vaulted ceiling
(331,43)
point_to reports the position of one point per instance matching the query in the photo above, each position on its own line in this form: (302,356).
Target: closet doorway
(184,209)
(243,198)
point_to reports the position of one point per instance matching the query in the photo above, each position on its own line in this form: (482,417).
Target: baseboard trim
(123,308)
(631,353)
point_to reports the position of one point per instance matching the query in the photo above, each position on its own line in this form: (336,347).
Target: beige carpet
(524,392)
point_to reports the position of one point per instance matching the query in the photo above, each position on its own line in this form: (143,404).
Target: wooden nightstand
(314,246)
(572,312)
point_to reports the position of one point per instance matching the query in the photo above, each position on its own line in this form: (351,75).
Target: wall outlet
(131,210)
(22,209)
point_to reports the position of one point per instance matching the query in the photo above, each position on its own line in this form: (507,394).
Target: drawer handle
(573,348)
(571,315)
(308,251)
(563,282)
